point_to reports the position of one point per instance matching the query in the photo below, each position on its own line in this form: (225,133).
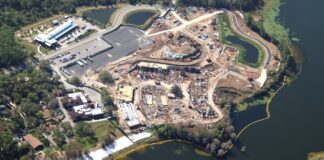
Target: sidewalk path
(119,144)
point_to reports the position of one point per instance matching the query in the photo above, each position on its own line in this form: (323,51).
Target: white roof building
(129,112)
(51,38)
(78,95)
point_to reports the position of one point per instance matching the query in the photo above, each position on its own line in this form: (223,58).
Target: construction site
(183,49)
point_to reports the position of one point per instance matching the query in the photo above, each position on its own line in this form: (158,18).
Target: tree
(75,81)
(221,152)
(106,77)
(84,134)
(58,137)
(53,103)
(8,146)
(68,130)
(109,139)
(45,66)
(10,52)
(106,98)
(73,150)
(83,129)
(177,91)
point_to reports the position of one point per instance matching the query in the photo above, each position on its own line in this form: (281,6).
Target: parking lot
(72,36)
(84,51)
(124,41)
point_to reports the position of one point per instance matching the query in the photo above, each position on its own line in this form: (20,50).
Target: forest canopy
(18,12)
(245,5)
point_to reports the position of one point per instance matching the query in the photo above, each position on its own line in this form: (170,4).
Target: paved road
(93,94)
(117,22)
(180,28)
(117,145)
(67,116)
(267,50)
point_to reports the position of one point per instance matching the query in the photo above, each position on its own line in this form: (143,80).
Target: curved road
(119,18)
(234,21)
(179,28)
(267,50)
(117,22)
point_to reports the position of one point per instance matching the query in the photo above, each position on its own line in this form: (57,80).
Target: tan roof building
(33,142)
(153,65)
(126,93)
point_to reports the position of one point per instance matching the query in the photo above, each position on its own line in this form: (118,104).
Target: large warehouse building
(51,38)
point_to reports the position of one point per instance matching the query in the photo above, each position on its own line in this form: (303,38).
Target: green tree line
(246,5)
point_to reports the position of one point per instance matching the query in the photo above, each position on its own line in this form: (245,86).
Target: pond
(139,18)
(251,52)
(101,16)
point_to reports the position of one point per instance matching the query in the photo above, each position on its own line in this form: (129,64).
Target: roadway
(186,23)
(117,22)
(266,48)
(182,29)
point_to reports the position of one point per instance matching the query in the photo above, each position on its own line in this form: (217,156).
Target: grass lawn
(316,156)
(243,106)
(81,10)
(87,33)
(44,49)
(102,128)
(227,31)
(42,21)
(270,23)
(31,48)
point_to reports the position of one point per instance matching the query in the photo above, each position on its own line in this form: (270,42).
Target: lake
(295,127)
(101,16)
(169,151)
(139,18)
(251,52)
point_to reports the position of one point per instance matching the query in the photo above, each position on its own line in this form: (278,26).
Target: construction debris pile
(181,47)
(160,107)
(153,103)
(199,99)
(167,75)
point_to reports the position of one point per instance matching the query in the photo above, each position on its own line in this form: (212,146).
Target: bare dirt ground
(215,71)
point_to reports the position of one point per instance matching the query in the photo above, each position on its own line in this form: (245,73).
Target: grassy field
(316,156)
(227,31)
(138,147)
(30,47)
(81,10)
(147,22)
(44,49)
(42,21)
(243,106)
(270,13)
(102,128)
(267,21)
(87,33)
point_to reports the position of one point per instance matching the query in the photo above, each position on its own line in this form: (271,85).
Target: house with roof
(33,142)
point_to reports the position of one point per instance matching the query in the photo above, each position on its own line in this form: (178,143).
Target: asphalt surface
(117,22)
(124,41)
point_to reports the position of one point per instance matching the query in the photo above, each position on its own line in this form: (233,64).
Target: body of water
(101,16)
(139,18)
(169,151)
(296,125)
(251,52)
